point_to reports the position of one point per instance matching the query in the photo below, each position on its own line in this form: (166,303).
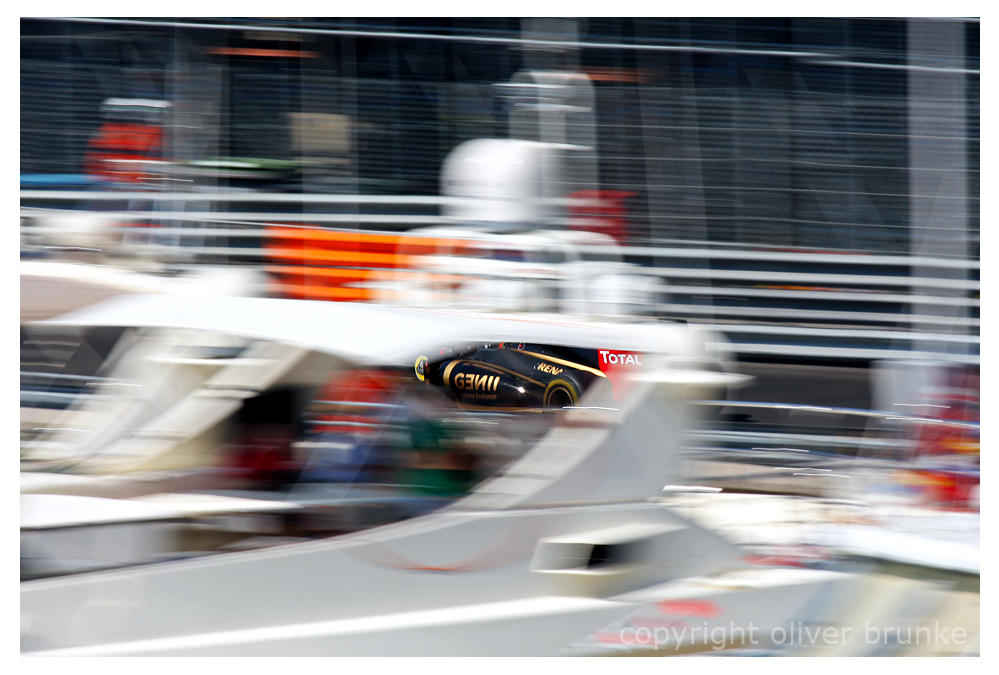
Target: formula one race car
(520,376)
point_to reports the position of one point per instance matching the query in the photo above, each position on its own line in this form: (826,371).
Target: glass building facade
(822,134)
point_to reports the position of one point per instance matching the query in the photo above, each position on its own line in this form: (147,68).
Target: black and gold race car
(513,375)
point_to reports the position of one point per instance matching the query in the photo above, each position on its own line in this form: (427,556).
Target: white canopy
(368,334)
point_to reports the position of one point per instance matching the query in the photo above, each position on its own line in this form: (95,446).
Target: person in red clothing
(948,454)
(261,454)
(130,137)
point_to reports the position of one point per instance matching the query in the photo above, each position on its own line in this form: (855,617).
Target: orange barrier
(315,264)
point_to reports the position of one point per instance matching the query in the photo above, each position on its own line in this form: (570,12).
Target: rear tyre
(560,394)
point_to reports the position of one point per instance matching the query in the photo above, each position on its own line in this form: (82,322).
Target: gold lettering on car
(546,368)
(474,382)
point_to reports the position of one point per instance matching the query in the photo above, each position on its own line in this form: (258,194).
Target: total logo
(608,357)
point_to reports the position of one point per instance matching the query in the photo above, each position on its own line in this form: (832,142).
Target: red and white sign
(618,366)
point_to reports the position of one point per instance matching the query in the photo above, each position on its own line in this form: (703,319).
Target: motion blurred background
(807,187)
(733,132)
(770,168)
